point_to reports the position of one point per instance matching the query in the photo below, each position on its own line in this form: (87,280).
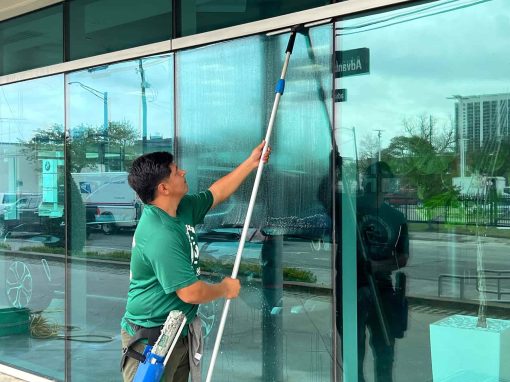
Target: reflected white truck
(478,185)
(115,204)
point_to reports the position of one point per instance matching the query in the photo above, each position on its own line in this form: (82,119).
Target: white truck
(479,185)
(116,204)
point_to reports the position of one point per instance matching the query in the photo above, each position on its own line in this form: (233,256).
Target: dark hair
(147,172)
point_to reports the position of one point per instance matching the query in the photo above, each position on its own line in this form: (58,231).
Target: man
(165,260)
(382,247)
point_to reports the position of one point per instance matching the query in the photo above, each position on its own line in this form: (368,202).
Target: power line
(407,20)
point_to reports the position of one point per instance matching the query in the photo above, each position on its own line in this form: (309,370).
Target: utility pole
(144,106)
(379,142)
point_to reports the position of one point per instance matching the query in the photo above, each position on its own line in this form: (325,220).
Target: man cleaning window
(165,269)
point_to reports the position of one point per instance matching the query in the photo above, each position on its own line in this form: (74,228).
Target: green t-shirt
(164,258)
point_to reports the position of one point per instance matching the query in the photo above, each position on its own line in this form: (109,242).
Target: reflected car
(21,216)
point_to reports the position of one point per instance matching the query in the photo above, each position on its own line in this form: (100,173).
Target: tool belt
(141,333)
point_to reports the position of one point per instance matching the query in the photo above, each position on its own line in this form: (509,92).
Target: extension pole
(279,92)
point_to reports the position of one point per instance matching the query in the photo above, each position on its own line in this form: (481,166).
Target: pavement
(8,378)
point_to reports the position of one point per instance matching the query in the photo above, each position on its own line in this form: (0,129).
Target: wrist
(223,288)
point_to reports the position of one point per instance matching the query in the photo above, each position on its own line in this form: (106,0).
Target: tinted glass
(115,114)
(97,27)
(202,16)
(32,41)
(284,312)
(423,135)
(32,231)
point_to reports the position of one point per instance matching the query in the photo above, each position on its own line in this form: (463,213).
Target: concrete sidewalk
(8,378)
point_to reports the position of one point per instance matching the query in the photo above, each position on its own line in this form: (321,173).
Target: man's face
(176,182)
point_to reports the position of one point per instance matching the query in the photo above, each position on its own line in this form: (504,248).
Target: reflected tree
(73,152)
(85,140)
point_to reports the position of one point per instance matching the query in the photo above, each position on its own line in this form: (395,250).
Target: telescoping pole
(279,92)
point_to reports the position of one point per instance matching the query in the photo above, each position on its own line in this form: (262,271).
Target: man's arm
(227,185)
(201,292)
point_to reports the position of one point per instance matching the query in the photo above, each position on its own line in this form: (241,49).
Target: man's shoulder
(189,201)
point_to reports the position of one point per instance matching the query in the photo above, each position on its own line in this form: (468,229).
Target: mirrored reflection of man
(382,248)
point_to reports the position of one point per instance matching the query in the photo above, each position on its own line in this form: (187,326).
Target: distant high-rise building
(481,120)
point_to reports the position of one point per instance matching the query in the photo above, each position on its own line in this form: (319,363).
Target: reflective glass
(281,325)
(32,41)
(197,16)
(97,27)
(32,231)
(115,113)
(424,143)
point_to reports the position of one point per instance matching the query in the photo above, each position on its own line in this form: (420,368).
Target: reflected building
(481,118)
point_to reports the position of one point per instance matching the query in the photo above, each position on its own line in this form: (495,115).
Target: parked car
(21,216)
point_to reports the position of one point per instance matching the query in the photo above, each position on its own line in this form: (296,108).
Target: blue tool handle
(280,86)
(152,369)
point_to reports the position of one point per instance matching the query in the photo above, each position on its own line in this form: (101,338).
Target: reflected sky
(416,65)
(39,103)
(29,106)
(123,84)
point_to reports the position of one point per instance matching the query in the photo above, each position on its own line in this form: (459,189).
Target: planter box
(14,321)
(463,352)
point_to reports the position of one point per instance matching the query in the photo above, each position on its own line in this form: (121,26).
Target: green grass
(245,270)
(255,271)
(43,249)
(5,246)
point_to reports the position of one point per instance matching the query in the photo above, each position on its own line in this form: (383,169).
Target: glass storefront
(115,114)
(32,41)
(376,248)
(97,27)
(203,16)
(422,130)
(280,327)
(32,225)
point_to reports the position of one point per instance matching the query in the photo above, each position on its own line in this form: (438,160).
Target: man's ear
(162,189)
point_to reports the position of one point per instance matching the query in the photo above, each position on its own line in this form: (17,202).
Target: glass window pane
(199,16)
(32,231)
(116,113)
(424,139)
(98,27)
(284,310)
(32,41)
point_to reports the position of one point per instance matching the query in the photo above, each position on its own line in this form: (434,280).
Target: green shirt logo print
(192,237)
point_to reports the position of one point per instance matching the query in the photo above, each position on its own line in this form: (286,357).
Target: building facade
(363,261)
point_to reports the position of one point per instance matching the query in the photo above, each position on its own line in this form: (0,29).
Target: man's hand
(231,287)
(254,157)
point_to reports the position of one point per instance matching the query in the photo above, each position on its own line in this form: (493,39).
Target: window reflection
(116,113)
(285,301)
(438,118)
(32,225)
